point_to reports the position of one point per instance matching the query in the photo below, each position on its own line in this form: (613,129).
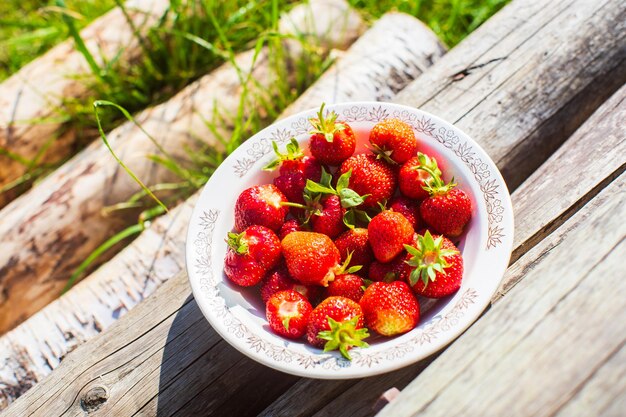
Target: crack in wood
(467,71)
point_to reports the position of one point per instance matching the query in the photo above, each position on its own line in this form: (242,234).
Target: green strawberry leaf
(350,198)
(353,269)
(349,219)
(314,187)
(344,181)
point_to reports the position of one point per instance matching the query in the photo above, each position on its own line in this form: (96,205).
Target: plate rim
(474,308)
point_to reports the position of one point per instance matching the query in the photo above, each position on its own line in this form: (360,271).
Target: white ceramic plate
(238,315)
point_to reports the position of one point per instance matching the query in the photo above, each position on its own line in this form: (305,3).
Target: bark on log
(369,70)
(176,350)
(48,231)
(31,99)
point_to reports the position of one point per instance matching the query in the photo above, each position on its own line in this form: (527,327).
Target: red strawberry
(408,208)
(417,173)
(437,266)
(347,285)
(393,140)
(447,210)
(329,217)
(390,308)
(370,176)
(251,254)
(291,225)
(279,280)
(295,170)
(394,270)
(331,142)
(337,323)
(355,242)
(288,313)
(260,205)
(312,258)
(330,209)
(388,233)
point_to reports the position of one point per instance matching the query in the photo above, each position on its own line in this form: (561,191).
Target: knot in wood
(94,398)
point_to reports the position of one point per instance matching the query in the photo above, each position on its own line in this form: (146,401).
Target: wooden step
(163,358)
(37,346)
(46,233)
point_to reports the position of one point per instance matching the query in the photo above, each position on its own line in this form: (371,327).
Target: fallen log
(47,232)
(37,346)
(31,100)
(179,346)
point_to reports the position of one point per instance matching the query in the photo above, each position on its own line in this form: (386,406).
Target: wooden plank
(44,234)
(541,66)
(31,99)
(518,11)
(552,335)
(33,349)
(604,392)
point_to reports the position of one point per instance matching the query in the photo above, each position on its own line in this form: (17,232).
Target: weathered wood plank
(542,67)
(502,118)
(47,232)
(604,392)
(369,70)
(534,351)
(30,100)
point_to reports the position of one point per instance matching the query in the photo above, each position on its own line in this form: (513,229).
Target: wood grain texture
(47,232)
(538,67)
(592,157)
(37,346)
(31,100)
(550,338)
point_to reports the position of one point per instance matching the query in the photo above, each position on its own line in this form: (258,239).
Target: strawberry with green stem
(447,210)
(330,209)
(355,242)
(415,174)
(436,266)
(251,254)
(393,140)
(370,176)
(295,169)
(337,324)
(331,142)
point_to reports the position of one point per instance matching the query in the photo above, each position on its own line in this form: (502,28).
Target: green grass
(28,28)
(192,38)
(451,20)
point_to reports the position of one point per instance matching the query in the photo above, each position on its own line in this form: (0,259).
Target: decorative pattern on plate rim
(364,358)
(447,137)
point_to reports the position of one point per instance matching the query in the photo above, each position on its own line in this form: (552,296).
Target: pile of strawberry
(356,236)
